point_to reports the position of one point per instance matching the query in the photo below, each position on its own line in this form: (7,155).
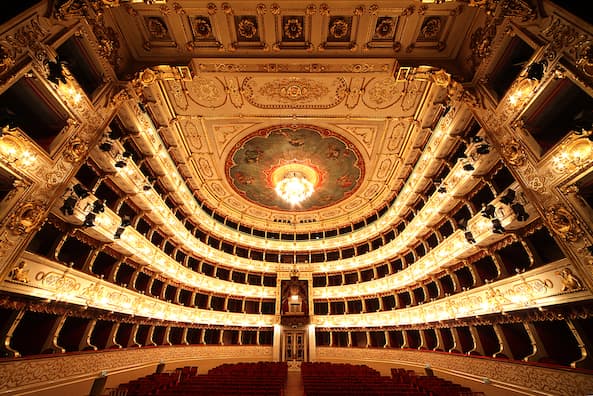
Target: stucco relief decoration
(514,153)
(27,217)
(431,29)
(201,28)
(561,36)
(570,282)
(339,28)
(157,28)
(564,223)
(247,28)
(384,28)
(584,58)
(294,92)
(75,150)
(293,28)
(207,92)
(481,43)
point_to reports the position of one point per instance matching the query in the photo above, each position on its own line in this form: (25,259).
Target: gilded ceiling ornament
(569,281)
(408,11)
(247,28)
(373,8)
(339,28)
(431,28)
(358,11)
(293,29)
(441,78)
(211,8)
(310,10)
(481,42)
(260,9)
(157,28)
(518,8)
(384,27)
(324,10)
(6,61)
(201,28)
(147,77)
(27,217)
(294,89)
(514,153)
(75,150)
(564,223)
(584,58)
(226,8)
(19,273)
(178,9)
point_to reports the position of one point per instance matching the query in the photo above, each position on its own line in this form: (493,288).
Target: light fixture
(527,84)
(488,211)
(56,72)
(294,182)
(98,206)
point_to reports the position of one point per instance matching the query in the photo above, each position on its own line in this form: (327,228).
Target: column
(584,341)
(422,340)
(149,340)
(405,343)
(537,345)
(504,349)
(312,345)
(111,342)
(7,331)
(184,336)
(51,342)
(349,339)
(387,340)
(166,340)
(276,350)
(478,348)
(85,341)
(132,340)
(440,346)
(456,348)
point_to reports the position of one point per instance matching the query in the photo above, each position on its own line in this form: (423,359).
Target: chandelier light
(294,182)
(294,188)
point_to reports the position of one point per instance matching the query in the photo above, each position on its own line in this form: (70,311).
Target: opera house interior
(403,183)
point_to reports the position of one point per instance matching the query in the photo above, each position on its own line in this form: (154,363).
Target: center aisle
(294,384)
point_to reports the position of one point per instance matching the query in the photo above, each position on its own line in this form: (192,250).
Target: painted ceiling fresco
(338,164)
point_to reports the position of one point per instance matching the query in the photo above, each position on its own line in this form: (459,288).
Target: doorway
(294,346)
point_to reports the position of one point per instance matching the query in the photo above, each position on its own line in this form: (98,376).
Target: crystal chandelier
(294,188)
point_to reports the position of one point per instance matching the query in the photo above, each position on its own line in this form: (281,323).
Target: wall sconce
(527,84)
(467,165)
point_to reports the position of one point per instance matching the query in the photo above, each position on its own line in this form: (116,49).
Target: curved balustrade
(53,281)
(539,287)
(434,150)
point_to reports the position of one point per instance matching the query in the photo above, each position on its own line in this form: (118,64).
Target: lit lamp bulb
(294,188)
(294,182)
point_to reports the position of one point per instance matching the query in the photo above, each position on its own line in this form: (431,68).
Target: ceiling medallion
(294,168)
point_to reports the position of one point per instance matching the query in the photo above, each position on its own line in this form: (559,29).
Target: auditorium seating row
(433,384)
(327,379)
(330,379)
(241,379)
